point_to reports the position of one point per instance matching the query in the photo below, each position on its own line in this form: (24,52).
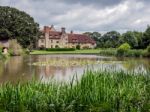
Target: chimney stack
(52,26)
(46,29)
(71,32)
(63,30)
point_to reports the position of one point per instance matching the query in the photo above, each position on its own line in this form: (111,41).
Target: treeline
(113,39)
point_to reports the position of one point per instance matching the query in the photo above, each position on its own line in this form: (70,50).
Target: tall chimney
(63,30)
(46,29)
(71,32)
(52,26)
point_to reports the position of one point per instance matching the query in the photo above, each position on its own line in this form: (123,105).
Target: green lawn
(86,51)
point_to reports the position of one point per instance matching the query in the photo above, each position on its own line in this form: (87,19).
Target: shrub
(57,46)
(15,48)
(148,49)
(134,53)
(78,47)
(124,48)
(60,49)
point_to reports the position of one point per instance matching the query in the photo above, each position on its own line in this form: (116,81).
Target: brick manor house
(51,38)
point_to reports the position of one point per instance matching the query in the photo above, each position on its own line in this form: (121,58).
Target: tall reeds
(100,91)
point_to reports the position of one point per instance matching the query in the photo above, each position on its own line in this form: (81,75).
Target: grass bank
(85,51)
(95,92)
(129,53)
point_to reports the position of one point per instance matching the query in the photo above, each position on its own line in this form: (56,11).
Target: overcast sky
(87,15)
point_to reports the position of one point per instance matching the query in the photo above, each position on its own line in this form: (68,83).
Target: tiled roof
(79,38)
(55,35)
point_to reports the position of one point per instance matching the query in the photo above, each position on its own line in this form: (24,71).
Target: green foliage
(15,48)
(123,49)
(148,49)
(129,37)
(94,35)
(96,92)
(146,37)
(15,24)
(56,46)
(113,39)
(78,47)
(60,49)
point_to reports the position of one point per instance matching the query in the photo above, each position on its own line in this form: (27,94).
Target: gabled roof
(79,38)
(55,35)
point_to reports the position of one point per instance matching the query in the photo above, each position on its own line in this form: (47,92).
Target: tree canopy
(113,39)
(15,24)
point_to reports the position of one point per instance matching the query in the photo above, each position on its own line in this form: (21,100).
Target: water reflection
(21,68)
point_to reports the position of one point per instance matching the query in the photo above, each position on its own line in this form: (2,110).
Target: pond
(64,67)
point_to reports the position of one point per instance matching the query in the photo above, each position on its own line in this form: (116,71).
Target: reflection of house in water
(51,71)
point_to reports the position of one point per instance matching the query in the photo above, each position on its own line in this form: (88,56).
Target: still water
(64,67)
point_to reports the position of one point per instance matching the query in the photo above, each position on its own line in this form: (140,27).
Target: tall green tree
(139,36)
(94,35)
(146,37)
(15,24)
(110,39)
(130,38)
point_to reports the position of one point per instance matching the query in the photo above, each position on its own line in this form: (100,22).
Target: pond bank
(96,91)
(103,52)
(87,51)
(129,53)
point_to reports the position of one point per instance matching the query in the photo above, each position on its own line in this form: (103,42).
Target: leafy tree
(15,24)
(94,35)
(139,36)
(130,38)
(146,37)
(110,39)
(123,49)
(78,47)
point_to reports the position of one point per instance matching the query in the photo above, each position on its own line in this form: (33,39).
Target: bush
(15,48)
(134,53)
(148,49)
(78,47)
(124,48)
(60,49)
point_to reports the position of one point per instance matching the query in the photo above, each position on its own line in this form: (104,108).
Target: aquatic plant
(95,92)
(70,63)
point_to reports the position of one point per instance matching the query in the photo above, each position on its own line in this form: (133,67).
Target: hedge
(60,49)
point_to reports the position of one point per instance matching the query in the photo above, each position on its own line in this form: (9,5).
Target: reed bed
(100,91)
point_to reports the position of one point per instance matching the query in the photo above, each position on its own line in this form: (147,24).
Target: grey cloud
(97,3)
(87,15)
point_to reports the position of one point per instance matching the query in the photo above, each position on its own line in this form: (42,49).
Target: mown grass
(95,92)
(84,51)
